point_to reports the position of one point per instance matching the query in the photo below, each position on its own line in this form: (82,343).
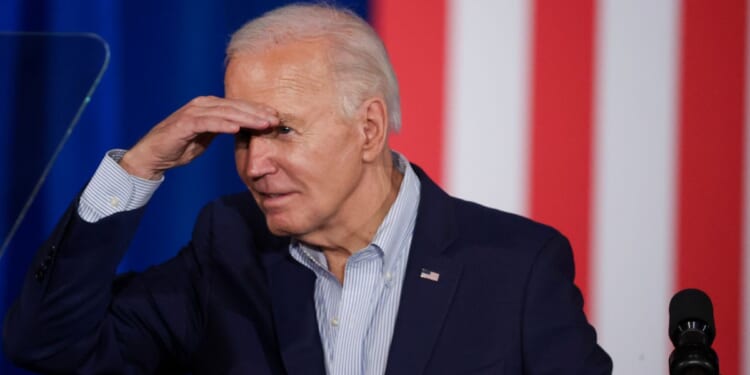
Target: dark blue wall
(163,53)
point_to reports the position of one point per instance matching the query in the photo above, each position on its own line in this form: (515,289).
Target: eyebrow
(285,118)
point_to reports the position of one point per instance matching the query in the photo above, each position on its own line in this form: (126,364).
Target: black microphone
(692,331)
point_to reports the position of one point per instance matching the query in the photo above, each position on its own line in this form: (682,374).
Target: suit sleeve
(557,337)
(75,316)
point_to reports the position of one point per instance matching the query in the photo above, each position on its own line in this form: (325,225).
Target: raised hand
(186,133)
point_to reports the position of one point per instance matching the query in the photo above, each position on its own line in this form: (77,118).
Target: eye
(283,129)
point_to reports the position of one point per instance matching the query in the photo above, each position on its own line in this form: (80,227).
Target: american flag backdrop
(621,122)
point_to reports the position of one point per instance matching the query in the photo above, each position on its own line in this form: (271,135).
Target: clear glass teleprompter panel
(46,80)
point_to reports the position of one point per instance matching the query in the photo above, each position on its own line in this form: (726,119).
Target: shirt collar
(398,224)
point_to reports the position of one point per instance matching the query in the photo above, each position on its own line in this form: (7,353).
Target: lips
(274,200)
(271,195)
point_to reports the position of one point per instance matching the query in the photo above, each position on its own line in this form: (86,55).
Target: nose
(260,157)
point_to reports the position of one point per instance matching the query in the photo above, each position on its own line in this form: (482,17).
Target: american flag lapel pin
(429,275)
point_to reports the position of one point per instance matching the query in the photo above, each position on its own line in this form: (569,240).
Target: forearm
(68,287)
(69,284)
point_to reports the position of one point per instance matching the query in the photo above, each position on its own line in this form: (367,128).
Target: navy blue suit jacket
(233,301)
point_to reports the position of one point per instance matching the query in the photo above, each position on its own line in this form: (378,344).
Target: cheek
(240,163)
(334,174)
(325,165)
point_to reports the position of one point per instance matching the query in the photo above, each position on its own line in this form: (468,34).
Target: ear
(374,128)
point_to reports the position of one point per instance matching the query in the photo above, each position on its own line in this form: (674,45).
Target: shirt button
(335,322)
(114,202)
(388,276)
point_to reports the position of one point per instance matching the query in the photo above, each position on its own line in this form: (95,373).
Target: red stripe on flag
(711,137)
(561,122)
(414,34)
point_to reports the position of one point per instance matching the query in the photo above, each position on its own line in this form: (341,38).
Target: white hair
(357,56)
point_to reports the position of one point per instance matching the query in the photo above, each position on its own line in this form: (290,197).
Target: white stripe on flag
(745,305)
(634,187)
(486,102)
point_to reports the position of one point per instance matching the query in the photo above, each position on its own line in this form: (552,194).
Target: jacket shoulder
(486,224)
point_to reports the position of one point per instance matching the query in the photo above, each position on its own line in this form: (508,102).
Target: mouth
(271,195)
(270,201)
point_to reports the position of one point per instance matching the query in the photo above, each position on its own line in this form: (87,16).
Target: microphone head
(691,310)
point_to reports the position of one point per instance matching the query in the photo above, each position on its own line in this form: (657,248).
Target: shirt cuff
(113,190)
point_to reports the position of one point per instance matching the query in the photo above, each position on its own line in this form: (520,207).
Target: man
(342,259)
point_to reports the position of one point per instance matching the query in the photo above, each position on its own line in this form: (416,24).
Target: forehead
(279,72)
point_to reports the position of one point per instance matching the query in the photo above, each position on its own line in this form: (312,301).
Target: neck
(363,212)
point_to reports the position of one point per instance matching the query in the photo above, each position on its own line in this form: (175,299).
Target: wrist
(134,165)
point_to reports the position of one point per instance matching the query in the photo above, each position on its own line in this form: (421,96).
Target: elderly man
(343,258)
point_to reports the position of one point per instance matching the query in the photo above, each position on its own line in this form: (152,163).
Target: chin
(279,231)
(291,224)
(280,228)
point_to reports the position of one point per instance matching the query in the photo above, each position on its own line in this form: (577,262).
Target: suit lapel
(292,288)
(424,302)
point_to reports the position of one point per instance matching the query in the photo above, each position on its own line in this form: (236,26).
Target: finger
(200,145)
(257,109)
(254,118)
(208,124)
(251,106)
